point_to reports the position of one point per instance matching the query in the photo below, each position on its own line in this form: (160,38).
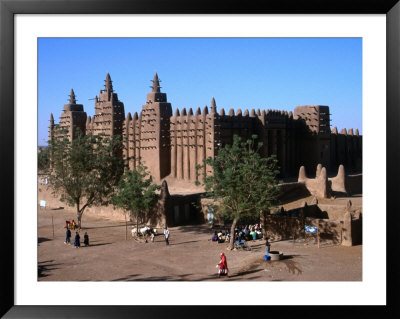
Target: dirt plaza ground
(191,255)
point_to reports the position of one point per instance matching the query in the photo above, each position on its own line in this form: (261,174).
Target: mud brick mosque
(171,144)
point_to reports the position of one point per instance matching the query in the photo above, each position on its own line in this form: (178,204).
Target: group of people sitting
(248,232)
(71,224)
(221,236)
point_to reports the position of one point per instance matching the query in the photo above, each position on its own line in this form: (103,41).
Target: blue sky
(245,73)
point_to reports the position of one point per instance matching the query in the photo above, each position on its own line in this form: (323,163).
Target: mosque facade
(171,144)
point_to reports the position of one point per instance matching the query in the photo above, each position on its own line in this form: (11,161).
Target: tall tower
(155,149)
(109,111)
(72,118)
(317,146)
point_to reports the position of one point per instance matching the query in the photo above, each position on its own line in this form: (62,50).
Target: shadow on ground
(292,266)
(126,278)
(196,229)
(99,244)
(110,226)
(43,239)
(185,242)
(46,266)
(156,278)
(245,272)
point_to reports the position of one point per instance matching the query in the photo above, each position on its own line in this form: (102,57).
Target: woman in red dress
(223,266)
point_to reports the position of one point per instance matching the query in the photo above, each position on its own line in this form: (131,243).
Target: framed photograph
(64,33)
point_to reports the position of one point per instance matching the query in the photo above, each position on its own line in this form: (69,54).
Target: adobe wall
(195,137)
(156,218)
(192,137)
(317,186)
(319,211)
(72,118)
(338,183)
(292,191)
(109,112)
(346,149)
(284,228)
(316,119)
(338,224)
(324,187)
(354,184)
(132,139)
(172,145)
(52,202)
(171,210)
(192,141)
(154,133)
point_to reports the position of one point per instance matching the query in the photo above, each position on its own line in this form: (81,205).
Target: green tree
(136,194)
(242,182)
(44,159)
(84,172)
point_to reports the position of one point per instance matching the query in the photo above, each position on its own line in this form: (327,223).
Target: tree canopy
(85,171)
(242,182)
(44,159)
(136,194)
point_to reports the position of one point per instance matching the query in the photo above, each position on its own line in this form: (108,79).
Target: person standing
(77,242)
(267,249)
(68,237)
(223,266)
(166,235)
(86,239)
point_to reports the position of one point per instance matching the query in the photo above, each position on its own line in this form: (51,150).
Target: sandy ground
(191,256)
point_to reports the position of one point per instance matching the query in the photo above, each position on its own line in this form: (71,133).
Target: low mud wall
(286,228)
(53,202)
(177,210)
(337,224)
(291,191)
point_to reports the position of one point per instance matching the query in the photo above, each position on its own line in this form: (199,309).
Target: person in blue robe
(77,242)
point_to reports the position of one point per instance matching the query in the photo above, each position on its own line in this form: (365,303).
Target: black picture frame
(8,8)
